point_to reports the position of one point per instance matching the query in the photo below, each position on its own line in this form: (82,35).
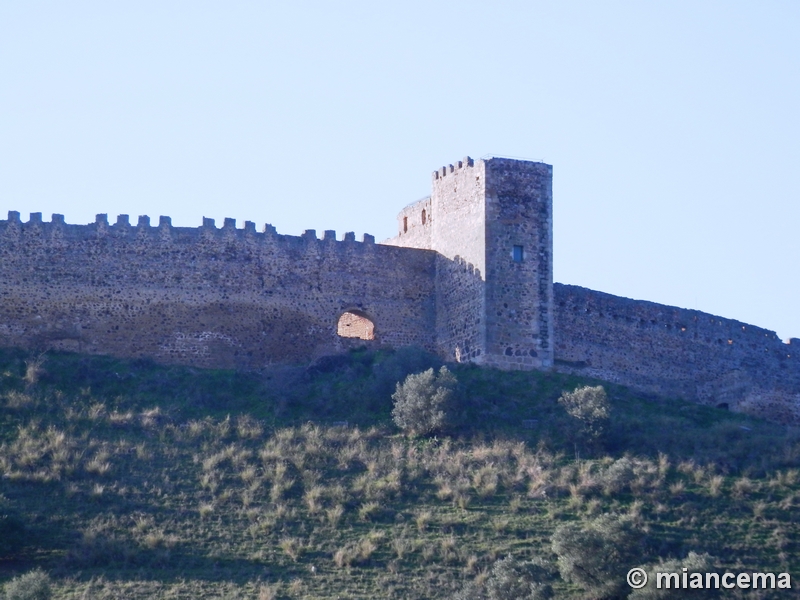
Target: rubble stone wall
(469,276)
(519,290)
(207,296)
(491,307)
(677,352)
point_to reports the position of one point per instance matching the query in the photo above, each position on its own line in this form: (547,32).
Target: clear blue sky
(673,126)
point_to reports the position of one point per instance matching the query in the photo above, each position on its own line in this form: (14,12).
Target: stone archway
(355,324)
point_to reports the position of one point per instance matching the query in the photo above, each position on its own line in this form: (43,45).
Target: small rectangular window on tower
(517,254)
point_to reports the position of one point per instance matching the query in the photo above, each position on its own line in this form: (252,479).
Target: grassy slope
(140,481)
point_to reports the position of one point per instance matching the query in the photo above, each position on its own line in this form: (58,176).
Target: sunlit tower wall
(490,222)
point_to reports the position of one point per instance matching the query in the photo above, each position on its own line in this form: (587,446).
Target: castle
(469,276)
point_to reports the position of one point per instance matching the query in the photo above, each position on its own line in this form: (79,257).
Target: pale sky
(673,126)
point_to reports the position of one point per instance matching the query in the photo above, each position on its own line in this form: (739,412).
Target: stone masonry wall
(205,296)
(450,282)
(677,352)
(519,289)
(491,308)
(459,239)
(415,225)
(455,228)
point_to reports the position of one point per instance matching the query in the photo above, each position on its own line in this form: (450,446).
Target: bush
(619,475)
(30,586)
(590,406)
(598,554)
(513,580)
(423,402)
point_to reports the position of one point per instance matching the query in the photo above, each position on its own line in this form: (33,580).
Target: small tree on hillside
(511,579)
(423,402)
(34,585)
(596,555)
(590,407)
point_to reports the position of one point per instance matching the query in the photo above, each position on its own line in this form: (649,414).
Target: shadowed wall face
(205,296)
(677,352)
(458,214)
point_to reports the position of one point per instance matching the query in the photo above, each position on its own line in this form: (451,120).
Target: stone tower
(490,223)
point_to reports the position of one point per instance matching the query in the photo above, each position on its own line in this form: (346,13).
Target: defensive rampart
(469,276)
(678,352)
(206,296)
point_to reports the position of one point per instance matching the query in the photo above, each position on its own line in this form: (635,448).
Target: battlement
(208,295)
(465,162)
(468,276)
(35,225)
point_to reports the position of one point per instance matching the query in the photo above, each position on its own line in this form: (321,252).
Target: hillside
(125,479)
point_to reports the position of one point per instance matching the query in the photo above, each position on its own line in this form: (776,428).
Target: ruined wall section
(519,263)
(414,226)
(677,352)
(204,296)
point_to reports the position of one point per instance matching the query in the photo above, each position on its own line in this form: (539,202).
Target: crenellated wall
(492,308)
(455,228)
(207,296)
(469,276)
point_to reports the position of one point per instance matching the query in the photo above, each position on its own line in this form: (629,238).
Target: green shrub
(423,402)
(30,586)
(511,579)
(618,476)
(597,555)
(590,407)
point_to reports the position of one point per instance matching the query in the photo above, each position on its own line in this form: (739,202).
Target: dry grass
(242,506)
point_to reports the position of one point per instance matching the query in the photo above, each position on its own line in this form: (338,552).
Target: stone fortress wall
(677,352)
(451,223)
(492,308)
(206,296)
(469,276)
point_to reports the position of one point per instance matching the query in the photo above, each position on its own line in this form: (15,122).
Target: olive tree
(590,407)
(423,402)
(597,554)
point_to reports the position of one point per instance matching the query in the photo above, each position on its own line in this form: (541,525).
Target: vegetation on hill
(129,479)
